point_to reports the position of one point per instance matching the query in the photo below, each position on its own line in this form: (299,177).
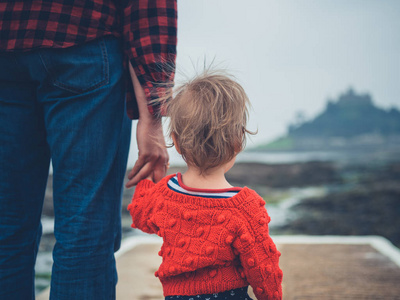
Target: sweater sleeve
(258,254)
(142,207)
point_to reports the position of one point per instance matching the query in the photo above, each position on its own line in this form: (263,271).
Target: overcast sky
(293,55)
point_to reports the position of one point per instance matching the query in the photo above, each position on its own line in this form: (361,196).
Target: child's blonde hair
(208,117)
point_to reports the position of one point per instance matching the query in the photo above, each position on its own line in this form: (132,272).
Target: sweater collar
(234,201)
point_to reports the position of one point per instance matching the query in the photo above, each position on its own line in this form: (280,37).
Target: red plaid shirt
(147,27)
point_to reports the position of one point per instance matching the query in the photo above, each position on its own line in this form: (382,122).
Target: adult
(64,73)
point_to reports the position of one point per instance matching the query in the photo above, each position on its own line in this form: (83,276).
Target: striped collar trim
(176,184)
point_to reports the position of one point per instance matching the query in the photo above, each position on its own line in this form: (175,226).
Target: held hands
(153,157)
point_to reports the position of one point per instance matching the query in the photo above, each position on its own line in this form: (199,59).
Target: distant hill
(351,121)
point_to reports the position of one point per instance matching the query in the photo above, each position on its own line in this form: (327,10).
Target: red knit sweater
(209,245)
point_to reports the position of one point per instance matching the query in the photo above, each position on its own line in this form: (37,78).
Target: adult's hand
(153,156)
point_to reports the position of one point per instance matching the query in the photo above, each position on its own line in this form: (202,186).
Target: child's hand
(150,177)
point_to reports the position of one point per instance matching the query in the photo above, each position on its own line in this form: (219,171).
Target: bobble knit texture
(209,245)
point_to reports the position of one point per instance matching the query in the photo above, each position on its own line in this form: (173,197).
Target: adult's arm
(149,34)
(150,38)
(153,155)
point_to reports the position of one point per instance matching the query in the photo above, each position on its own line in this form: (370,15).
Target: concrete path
(313,268)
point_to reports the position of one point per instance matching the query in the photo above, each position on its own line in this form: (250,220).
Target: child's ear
(238,148)
(175,140)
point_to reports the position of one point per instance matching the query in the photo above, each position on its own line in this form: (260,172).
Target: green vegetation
(283,143)
(351,120)
(352,115)
(43,275)
(274,198)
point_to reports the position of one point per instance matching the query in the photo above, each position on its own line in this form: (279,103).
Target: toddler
(215,236)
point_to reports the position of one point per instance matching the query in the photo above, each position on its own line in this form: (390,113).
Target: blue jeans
(66,105)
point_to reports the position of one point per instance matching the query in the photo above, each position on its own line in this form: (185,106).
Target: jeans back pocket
(79,68)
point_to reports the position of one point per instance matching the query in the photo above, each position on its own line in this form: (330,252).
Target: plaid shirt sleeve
(149,34)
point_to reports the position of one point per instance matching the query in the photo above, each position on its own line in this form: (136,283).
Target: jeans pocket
(78,69)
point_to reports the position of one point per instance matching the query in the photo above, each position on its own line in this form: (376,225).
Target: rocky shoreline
(366,202)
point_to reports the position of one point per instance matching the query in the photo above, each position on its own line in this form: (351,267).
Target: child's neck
(214,179)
